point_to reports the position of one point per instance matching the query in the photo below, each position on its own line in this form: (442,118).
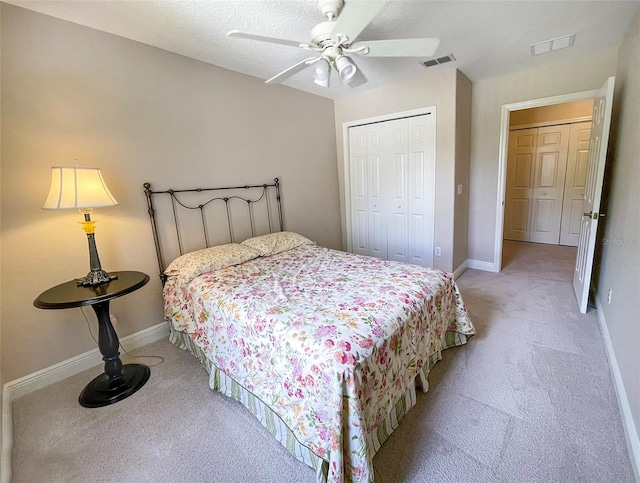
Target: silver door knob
(588,214)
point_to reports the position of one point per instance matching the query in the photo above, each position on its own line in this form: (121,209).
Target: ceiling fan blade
(398,47)
(355,16)
(264,38)
(294,69)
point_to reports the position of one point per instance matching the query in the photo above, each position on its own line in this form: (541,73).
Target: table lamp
(82,189)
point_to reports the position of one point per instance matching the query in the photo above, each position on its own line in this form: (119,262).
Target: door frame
(502,157)
(347,162)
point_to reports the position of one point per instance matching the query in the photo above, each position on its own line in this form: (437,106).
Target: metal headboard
(248,211)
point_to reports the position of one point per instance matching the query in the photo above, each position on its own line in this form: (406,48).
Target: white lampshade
(77,188)
(322,72)
(346,68)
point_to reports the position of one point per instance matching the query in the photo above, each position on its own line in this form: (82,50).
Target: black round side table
(118,381)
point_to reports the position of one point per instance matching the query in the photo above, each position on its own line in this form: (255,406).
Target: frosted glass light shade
(322,73)
(346,68)
(77,188)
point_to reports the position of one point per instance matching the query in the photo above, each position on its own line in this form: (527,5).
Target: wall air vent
(438,61)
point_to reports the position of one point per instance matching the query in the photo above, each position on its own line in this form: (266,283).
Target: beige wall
(557,114)
(434,89)
(140,114)
(463,158)
(620,257)
(489,95)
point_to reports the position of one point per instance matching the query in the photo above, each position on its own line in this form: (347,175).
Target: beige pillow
(190,265)
(277,242)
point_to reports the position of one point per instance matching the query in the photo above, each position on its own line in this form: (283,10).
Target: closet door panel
(421,190)
(519,190)
(378,152)
(397,189)
(548,184)
(359,187)
(392,170)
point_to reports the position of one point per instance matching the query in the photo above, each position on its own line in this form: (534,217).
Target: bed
(325,348)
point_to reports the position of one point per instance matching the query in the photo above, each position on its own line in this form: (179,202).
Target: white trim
(502,160)
(485,266)
(7,438)
(460,270)
(630,430)
(56,373)
(346,165)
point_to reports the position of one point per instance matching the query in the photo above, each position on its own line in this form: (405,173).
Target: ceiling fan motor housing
(321,34)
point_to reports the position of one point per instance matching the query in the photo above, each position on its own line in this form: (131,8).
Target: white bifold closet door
(392,188)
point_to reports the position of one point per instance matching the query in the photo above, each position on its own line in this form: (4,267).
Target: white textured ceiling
(487,38)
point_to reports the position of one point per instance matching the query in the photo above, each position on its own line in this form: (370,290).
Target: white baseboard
(480,265)
(460,270)
(56,373)
(630,430)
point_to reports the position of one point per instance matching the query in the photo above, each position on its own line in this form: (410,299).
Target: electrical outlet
(438,251)
(609,296)
(113,319)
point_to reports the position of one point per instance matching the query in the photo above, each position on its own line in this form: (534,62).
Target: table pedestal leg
(118,381)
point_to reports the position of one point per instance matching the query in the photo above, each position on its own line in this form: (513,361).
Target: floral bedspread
(329,340)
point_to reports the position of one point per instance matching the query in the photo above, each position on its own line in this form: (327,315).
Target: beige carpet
(529,399)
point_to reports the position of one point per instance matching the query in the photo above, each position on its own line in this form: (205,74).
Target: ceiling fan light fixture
(346,68)
(322,72)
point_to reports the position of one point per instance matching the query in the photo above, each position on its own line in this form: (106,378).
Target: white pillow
(190,265)
(277,242)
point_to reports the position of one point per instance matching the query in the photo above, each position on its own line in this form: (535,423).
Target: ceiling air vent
(552,44)
(438,61)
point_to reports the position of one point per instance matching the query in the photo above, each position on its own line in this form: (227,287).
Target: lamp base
(95,278)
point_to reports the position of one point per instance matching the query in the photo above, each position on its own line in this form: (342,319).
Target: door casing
(502,157)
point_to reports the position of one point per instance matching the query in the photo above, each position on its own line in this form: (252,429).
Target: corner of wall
(3,427)
(462,166)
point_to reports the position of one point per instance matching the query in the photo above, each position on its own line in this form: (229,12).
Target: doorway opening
(547,160)
(507,111)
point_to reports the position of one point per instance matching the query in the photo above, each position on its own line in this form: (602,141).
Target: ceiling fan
(332,39)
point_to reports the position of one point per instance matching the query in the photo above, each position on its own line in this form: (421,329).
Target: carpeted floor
(529,399)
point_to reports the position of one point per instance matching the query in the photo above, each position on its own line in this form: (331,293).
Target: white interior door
(548,184)
(598,143)
(577,161)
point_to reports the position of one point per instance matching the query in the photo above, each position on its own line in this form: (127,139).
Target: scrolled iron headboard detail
(199,200)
